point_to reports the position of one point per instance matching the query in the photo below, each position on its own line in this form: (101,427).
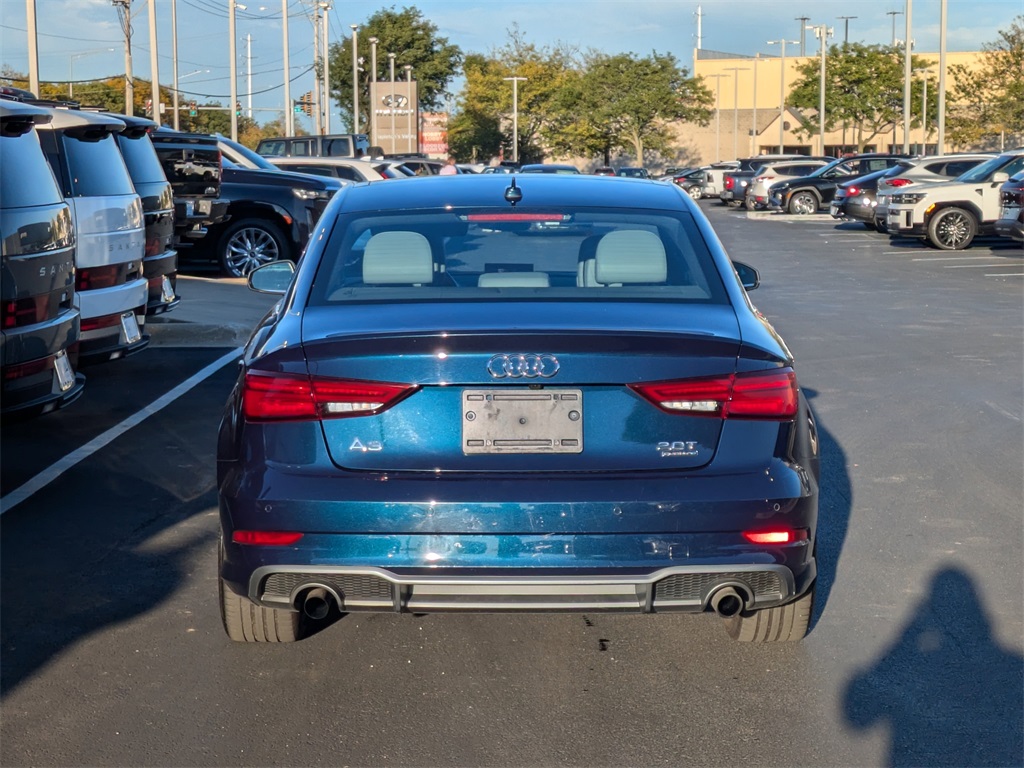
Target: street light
(71,66)
(413,112)
(782,92)
(391,106)
(718,115)
(894,14)
(846,27)
(373,90)
(355,78)
(924,107)
(908,46)
(822,32)
(515,116)
(736,107)
(233,56)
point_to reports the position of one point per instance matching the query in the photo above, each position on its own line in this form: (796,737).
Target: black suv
(809,193)
(271,212)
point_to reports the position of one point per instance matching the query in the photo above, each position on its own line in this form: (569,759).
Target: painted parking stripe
(952,258)
(1005,274)
(57,469)
(971,266)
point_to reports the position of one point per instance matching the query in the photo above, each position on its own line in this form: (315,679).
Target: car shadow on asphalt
(835,502)
(946,691)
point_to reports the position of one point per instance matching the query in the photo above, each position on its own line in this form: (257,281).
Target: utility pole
(289,110)
(233,55)
(782,92)
(846,27)
(515,116)
(803,33)
(248,73)
(907,46)
(33,47)
(154,67)
(318,74)
(823,33)
(391,107)
(174,60)
(124,14)
(327,67)
(373,91)
(355,78)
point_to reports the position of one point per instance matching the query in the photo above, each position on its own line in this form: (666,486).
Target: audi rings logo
(522,366)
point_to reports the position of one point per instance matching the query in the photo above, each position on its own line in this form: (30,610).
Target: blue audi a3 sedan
(515,393)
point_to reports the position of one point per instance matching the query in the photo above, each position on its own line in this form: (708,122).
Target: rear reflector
(296,397)
(758,395)
(776,536)
(266,538)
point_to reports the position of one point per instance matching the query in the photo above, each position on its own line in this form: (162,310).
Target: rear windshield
(96,167)
(26,179)
(140,157)
(526,254)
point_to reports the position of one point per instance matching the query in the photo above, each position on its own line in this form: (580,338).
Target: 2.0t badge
(523,366)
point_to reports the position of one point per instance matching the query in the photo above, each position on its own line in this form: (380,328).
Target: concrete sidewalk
(214,312)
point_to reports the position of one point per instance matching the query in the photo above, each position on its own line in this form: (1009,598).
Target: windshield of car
(835,164)
(26,179)
(502,254)
(1007,163)
(96,167)
(242,155)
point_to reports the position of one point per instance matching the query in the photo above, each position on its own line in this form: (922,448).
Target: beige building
(746,120)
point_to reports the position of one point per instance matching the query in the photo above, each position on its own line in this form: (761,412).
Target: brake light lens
(296,397)
(776,536)
(898,182)
(728,182)
(266,538)
(19,312)
(771,395)
(853,191)
(517,217)
(92,278)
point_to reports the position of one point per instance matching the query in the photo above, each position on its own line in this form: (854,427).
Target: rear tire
(750,203)
(250,243)
(695,193)
(782,624)
(952,229)
(246,622)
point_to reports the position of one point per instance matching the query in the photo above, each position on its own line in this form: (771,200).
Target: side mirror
(1000,177)
(748,276)
(272,278)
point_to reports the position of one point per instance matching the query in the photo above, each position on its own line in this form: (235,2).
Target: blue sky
(75,35)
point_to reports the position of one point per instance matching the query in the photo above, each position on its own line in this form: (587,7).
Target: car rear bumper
(1012,228)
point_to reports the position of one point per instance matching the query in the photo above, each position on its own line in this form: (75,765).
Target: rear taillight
(728,182)
(898,182)
(293,397)
(776,536)
(19,312)
(92,278)
(758,395)
(853,191)
(266,538)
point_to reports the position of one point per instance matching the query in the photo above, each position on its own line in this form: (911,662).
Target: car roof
(74,118)
(15,109)
(541,190)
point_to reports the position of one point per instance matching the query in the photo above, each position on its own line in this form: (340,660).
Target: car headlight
(908,197)
(311,194)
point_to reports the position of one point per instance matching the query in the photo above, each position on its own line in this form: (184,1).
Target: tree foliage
(863,90)
(988,102)
(414,41)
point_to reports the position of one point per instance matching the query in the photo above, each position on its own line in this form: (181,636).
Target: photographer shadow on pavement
(947,692)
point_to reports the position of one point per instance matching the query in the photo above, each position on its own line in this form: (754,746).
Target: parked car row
(947,200)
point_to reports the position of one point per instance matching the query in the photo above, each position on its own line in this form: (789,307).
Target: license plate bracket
(130,328)
(65,374)
(520,420)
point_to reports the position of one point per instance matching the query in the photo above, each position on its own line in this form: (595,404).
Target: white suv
(951,214)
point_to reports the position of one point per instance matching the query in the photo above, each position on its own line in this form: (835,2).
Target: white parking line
(952,258)
(57,469)
(971,266)
(1005,274)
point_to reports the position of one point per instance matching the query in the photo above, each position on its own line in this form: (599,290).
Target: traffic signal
(192,112)
(149,106)
(306,103)
(238,108)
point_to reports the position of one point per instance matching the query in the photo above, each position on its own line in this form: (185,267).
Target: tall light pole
(940,140)
(736,107)
(233,56)
(894,14)
(289,109)
(823,33)
(355,78)
(414,129)
(718,115)
(174,60)
(907,47)
(924,71)
(846,27)
(782,92)
(124,14)
(33,47)
(515,116)
(755,150)
(391,106)
(317,74)
(248,74)
(154,68)
(373,90)
(803,33)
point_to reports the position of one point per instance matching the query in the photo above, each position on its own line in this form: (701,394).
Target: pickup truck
(192,165)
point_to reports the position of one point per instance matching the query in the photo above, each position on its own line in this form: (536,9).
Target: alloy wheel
(249,248)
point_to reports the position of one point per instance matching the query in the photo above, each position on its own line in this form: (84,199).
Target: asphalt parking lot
(113,653)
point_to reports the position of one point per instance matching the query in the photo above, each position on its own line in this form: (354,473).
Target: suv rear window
(26,179)
(96,167)
(141,160)
(495,255)
(337,148)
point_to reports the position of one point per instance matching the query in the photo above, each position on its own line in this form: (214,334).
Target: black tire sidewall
(270,227)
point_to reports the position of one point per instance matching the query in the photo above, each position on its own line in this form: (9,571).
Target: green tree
(988,102)
(625,102)
(863,89)
(414,41)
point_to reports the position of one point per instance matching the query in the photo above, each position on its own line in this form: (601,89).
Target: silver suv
(921,170)
(757,196)
(951,214)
